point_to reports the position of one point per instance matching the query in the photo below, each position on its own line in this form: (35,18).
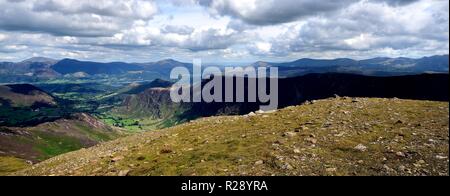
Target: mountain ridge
(378,66)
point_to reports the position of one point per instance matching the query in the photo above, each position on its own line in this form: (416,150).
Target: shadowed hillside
(156,103)
(24,105)
(25,95)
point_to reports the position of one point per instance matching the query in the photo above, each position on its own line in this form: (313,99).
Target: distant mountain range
(49,68)
(71,66)
(370,67)
(35,67)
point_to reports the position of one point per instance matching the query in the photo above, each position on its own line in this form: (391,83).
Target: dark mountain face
(319,86)
(294,91)
(70,66)
(297,90)
(25,89)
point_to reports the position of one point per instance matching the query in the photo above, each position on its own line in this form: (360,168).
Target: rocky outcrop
(154,102)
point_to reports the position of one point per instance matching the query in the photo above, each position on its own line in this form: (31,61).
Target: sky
(222,31)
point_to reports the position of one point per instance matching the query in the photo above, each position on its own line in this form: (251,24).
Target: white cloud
(363,41)
(368,26)
(261,48)
(73,17)
(266,12)
(137,9)
(2,37)
(222,30)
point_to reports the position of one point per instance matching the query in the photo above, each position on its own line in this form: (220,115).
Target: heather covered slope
(340,136)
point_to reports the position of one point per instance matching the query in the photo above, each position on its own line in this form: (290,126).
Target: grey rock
(361,148)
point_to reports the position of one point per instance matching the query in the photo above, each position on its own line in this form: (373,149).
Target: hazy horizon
(219,63)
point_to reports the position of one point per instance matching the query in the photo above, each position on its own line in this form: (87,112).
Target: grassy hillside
(24,95)
(50,139)
(11,164)
(339,136)
(24,104)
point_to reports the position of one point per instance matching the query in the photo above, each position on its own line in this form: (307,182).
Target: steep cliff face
(154,102)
